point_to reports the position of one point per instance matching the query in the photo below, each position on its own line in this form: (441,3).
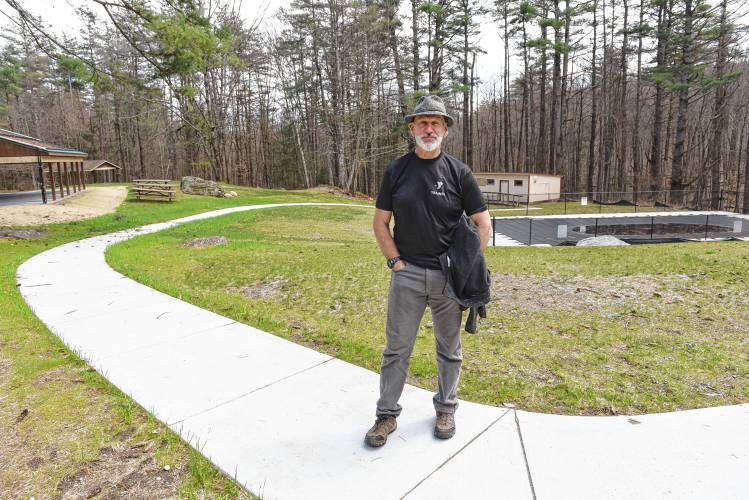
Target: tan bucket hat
(430,105)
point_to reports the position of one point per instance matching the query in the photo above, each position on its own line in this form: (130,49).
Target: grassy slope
(72,412)
(673,342)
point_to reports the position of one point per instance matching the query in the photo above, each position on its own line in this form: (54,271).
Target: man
(427,191)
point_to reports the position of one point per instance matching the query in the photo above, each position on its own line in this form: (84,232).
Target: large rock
(602,241)
(196,185)
(210,241)
(21,234)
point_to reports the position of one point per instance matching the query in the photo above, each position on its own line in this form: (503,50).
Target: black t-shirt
(427,198)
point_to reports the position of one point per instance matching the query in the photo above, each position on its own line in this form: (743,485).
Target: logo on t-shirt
(438,189)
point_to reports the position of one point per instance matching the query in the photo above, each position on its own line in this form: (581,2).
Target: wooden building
(101,171)
(56,168)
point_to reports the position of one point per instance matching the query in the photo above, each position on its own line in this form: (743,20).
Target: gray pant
(411,290)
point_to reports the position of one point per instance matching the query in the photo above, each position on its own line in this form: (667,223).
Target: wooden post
(67,177)
(59,179)
(40,169)
(83,175)
(52,180)
(74,177)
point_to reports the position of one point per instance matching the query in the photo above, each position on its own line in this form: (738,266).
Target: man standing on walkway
(427,191)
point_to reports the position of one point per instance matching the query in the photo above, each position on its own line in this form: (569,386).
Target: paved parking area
(22,198)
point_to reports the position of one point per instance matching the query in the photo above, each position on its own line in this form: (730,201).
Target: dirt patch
(4,366)
(122,471)
(62,373)
(340,192)
(92,202)
(31,460)
(210,241)
(262,290)
(586,293)
(21,234)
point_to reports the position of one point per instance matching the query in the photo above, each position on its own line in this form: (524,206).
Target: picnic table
(159,189)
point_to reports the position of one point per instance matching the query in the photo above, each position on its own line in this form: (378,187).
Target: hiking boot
(378,434)
(444,427)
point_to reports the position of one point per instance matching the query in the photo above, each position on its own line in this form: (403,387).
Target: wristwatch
(392,262)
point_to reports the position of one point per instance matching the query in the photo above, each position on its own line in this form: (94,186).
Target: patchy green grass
(64,430)
(635,329)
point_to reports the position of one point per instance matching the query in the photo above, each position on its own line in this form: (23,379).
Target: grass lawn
(64,430)
(636,329)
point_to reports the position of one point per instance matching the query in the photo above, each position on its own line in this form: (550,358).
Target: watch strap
(393,261)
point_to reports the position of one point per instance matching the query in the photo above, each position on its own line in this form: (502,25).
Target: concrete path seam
(525,454)
(455,454)
(228,401)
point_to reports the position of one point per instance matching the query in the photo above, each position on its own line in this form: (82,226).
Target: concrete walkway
(288,422)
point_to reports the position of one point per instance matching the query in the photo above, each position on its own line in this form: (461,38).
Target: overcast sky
(61,14)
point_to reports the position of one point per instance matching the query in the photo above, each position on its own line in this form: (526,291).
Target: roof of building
(89,165)
(516,174)
(43,148)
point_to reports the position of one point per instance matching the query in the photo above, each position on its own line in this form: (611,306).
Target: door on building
(504,191)
(542,188)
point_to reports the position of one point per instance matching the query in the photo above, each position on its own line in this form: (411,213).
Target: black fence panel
(629,201)
(631,229)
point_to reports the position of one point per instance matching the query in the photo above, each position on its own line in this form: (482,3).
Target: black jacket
(468,278)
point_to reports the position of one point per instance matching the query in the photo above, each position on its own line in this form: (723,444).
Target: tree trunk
(718,120)
(506,91)
(625,179)
(560,156)
(655,151)
(466,90)
(391,10)
(636,146)
(745,208)
(677,165)
(594,104)
(415,42)
(541,145)
(556,97)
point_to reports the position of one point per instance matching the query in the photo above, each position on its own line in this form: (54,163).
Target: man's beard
(429,146)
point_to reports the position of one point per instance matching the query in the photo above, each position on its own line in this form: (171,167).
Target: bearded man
(426,191)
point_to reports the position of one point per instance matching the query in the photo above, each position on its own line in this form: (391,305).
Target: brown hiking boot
(444,427)
(378,434)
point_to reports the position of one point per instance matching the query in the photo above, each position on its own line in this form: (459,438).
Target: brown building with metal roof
(101,169)
(62,166)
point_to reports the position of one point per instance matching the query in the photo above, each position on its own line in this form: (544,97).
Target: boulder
(602,241)
(21,234)
(210,241)
(196,185)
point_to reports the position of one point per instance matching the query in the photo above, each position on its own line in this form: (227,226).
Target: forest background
(614,95)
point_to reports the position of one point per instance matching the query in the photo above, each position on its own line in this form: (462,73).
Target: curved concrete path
(288,422)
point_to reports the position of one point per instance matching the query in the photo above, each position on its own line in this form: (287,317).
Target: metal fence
(513,231)
(626,201)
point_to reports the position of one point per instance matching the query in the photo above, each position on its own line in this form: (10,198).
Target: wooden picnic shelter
(62,167)
(105,169)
